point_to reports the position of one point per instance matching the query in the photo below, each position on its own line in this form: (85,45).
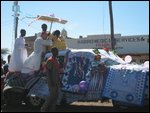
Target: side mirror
(128,59)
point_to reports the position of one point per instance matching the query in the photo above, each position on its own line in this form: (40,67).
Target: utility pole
(111,26)
(16,9)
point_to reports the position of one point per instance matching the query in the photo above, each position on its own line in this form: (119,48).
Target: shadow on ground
(75,108)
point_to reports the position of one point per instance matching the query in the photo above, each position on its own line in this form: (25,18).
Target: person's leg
(53,102)
(45,107)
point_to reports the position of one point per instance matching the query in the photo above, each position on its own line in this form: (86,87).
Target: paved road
(78,107)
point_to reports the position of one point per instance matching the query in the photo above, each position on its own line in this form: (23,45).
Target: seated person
(58,41)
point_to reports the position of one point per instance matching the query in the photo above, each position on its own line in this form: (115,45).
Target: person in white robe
(33,62)
(19,53)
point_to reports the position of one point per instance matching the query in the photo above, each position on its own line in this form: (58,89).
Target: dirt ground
(78,107)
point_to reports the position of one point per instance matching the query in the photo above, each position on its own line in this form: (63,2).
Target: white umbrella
(49,19)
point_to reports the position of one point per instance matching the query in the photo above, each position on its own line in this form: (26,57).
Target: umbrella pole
(51,27)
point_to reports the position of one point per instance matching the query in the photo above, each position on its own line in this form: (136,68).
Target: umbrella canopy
(49,19)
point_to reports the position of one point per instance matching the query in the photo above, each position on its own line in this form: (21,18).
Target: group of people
(4,66)
(27,65)
(21,62)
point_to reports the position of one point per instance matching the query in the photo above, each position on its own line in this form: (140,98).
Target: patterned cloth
(40,89)
(77,69)
(15,80)
(126,83)
(95,87)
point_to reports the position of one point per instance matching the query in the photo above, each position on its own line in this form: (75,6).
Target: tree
(4,51)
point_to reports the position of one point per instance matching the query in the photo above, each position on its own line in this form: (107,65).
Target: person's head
(44,27)
(56,33)
(23,32)
(8,58)
(54,51)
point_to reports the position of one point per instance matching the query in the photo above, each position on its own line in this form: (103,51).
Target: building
(135,45)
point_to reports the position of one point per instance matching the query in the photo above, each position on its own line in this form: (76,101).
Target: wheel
(13,96)
(35,101)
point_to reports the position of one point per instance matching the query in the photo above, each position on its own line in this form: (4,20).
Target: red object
(53,60)
(106,49)
(97,57)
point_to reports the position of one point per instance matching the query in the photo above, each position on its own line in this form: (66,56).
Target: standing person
(45,47)
(33,62)
(5,67)
(53,81)
(19,54)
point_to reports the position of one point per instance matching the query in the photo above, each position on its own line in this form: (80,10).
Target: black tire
(14,95)
(34,101)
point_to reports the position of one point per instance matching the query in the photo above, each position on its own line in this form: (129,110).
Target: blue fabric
(15,80)
(94,89)
(77,69)
(40,89)
(126,84)
(31,81)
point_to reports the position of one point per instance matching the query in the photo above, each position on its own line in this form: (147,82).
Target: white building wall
(136,44)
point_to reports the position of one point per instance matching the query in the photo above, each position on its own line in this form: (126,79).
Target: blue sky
(84,18)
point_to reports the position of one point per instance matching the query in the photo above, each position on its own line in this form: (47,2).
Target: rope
(30,25)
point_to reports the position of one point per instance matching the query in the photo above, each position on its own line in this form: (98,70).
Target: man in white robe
(19,54)
(33,62)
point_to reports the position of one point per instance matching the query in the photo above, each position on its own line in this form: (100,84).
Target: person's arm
(47,42)
(61,38)
(50,36)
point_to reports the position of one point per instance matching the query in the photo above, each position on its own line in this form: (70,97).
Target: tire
(13,96)
(34,101)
